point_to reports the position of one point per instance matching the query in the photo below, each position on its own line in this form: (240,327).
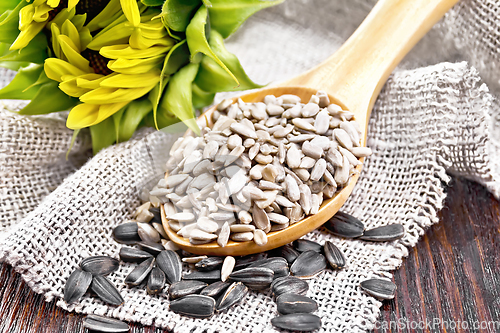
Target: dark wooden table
(450,281)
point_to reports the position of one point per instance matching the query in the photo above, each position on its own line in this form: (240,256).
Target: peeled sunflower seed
(215,289)
(126,233)
(257,278)
(148,233)
(234,294)
(333,255)
(379,288)
(278,265)
(308,264)
(104,324)
(184,288)
(384,234)
(303,245)
(156,281)
(170,263)
(209,277)
(227,267)
(140,272)
(345,225)
(288,303)
(77,285)
(297,322)
(289,284)
(106,291)
(198,306)
(209,264)
(99,265)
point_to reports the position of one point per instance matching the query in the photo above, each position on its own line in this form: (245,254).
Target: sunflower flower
(120,64)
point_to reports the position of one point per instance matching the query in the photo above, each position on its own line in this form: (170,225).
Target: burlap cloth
(426,122)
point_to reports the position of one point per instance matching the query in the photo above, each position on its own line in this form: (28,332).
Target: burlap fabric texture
(426,121)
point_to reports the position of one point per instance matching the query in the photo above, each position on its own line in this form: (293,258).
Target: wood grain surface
(449,282)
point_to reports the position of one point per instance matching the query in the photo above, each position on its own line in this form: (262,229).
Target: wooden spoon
(353,78)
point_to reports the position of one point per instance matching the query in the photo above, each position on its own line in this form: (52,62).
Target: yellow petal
(134,66)
(42,13)
(125,51)
(27,35)
(119,34)
(138,41)
(63,15)
(153,30)
(53,3)
(71,88)
(82,115)
(26,16)
(85,115)
(56,47)
(112,95)
(73,56)
(131,11)
(91,80)
(56,68)
(72,3)
(69,29)
(132,81)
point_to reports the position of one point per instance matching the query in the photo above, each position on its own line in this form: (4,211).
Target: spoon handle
(356,73)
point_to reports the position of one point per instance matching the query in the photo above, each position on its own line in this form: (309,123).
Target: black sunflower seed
(208,277)
(384,234)
(256,278)
(77,285)
(126,233)
(184,288)
(156,281)
(246,261)
(140,273)
(171,264)
(289,284)
(234,294)
(198,306)
(379,288)
(104,324)
(153,248)
(131,254)
(308,264)
(297,322)
(345,225)
(209,264)
(100,265)
(303,245)
(288,303)
(278,265)
(215,289)
(106,290)
(287,252)
(333,255)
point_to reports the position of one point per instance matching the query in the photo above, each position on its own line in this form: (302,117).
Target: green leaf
(152,3)
(35,52)
(212,78)
(131,118)
(72,143)
(49,98)
(21,86)
(12,65)
(9,21)
(8,5)
(178,99)
(103,134)
(201,98)
(176,14)
(227,16)
(196,37)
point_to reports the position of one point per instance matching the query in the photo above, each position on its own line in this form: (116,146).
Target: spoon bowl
(352,77)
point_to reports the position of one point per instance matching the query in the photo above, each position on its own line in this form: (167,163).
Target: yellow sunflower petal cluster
(33,18)
(130,52)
